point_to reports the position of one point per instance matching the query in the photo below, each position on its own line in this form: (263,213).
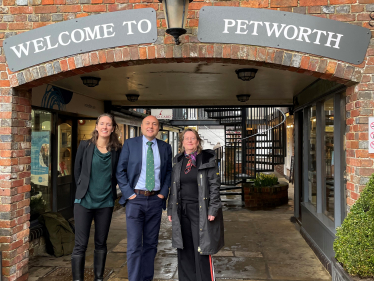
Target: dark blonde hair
(113,143)
(181,138)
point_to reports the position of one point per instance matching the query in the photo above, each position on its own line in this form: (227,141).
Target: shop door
(65,146)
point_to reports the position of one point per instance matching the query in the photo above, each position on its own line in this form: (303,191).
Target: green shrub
(265,180)
(354,244)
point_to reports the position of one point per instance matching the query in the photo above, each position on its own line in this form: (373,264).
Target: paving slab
(259,246)
(294,272)
(240,267)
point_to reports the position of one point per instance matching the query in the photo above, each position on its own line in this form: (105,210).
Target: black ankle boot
(99,264)
(77,267)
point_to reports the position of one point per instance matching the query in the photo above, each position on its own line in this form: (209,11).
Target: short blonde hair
(181,138)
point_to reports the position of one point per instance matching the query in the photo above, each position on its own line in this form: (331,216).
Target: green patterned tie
(150,171)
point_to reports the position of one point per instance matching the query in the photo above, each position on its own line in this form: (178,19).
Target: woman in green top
(95,177)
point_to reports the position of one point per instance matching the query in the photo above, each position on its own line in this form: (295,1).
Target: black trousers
(191,265)
(83,219)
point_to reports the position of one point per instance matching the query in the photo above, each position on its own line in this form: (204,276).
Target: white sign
(284,30)
(81,35)
(162,113)
(371,135)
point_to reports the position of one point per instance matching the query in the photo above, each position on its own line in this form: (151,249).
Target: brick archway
(16,117)
(323,68)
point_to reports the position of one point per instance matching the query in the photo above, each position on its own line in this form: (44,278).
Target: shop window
(132,132)
(171,138)
(323,163)
(163,135)
(64,133)
(121,133)
(85,129)
(41,183)
(176,136)
(312,175)
(329,158)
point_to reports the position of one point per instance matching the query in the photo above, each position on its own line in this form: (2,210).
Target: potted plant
(265,192)
(353,246)
(263,180)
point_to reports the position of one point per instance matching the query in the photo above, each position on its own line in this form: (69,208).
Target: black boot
(77,267)
(99,264)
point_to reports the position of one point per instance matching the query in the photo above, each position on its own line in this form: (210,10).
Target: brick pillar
(15,159)
(359,107)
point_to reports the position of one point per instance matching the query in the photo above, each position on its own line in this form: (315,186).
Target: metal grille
(189,114)
(262,141)
(267,146)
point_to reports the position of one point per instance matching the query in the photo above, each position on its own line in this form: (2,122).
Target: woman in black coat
(95,178)
(195,209)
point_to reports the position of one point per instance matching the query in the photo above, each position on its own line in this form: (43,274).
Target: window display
(312,175)
(41,184)
(329,158)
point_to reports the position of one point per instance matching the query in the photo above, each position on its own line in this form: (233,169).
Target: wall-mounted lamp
(243,98)
(90,81)
(246,74)
(132,97)
(176,12)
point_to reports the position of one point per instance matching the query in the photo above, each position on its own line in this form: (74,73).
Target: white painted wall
(211,136)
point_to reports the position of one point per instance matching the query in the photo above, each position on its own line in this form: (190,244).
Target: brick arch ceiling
(253,56)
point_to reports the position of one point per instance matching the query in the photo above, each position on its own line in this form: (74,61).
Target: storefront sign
(371,135)
(283,30)
(162,113)
(81,35)
(40,157)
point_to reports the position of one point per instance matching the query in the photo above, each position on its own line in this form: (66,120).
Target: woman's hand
(169,217)
(211,218)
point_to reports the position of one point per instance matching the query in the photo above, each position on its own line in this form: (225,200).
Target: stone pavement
(259,245)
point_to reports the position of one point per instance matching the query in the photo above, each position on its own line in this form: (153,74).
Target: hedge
(354,244)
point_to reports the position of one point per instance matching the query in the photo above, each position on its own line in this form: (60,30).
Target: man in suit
(144,177)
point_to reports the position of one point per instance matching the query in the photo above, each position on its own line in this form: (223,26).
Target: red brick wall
(21,15)
(15,116)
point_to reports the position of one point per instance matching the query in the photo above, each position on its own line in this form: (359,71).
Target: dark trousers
(83,219)
(143,219)
(191,265)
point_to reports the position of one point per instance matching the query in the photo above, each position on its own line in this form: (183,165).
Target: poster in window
(40,157)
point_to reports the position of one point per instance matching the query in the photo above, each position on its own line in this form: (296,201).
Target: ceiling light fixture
(90,81)
(246,74)
(243,98)
(132,97)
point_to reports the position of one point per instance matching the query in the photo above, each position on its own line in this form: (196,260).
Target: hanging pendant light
(176,12)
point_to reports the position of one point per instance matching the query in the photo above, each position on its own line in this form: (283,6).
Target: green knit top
(99,193)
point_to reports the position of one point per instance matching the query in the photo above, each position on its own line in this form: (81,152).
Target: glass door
(65,163)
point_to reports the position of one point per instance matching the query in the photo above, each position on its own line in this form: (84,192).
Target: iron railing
(257,148)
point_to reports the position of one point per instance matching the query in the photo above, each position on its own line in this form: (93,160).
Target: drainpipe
(1,266)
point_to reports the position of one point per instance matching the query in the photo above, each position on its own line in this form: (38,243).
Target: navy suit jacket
(130,165)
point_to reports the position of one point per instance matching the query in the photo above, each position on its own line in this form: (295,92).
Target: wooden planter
(265,197)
